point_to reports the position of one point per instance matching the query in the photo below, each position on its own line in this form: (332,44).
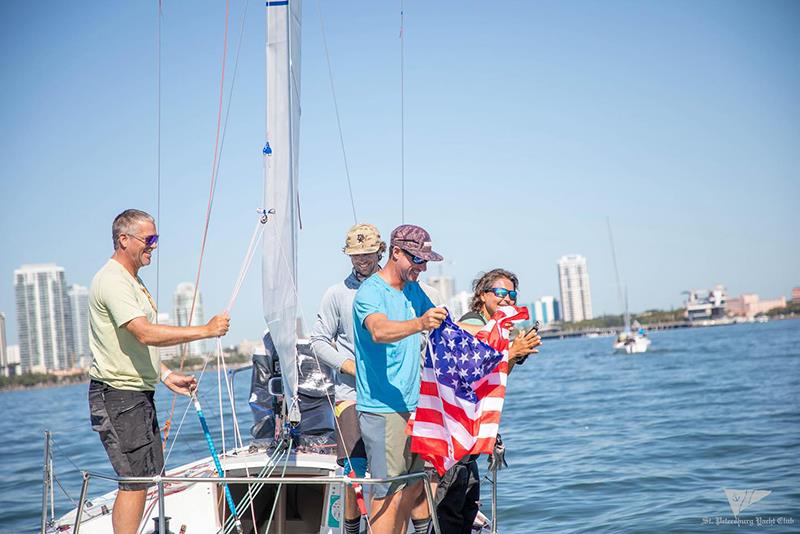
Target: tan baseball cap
(362,239)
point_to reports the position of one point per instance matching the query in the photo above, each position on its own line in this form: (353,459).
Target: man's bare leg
(128,509)
(418,502)
(351,510)
(386,516)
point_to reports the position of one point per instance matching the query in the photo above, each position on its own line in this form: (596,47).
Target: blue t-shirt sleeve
(366,303)
(418,299)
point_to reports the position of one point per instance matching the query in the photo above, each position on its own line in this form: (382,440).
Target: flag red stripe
(446,427)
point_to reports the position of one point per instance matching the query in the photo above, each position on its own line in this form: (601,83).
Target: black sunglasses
(501,292)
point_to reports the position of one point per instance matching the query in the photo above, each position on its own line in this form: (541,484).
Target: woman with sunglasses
(458,491)
(493,289)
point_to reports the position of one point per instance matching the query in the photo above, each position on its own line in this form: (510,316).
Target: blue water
(597,442)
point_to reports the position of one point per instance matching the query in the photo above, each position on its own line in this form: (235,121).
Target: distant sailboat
(630,340)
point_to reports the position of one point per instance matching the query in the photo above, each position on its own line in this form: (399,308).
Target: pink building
(749,305)
(796,294)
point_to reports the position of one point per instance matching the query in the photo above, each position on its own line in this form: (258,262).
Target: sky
(525,127)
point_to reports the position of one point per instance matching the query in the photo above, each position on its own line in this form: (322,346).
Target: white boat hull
(633,344)
(197,505)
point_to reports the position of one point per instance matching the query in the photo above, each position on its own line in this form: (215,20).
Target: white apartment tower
(79,313)
(44,324)
(573,279)
(3,345)
(172,351)
(459,304)
(445,285)
(545,310)
(182,308)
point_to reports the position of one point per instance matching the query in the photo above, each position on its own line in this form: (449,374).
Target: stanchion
(81,501)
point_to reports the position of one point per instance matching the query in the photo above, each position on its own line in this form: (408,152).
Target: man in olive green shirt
(123,334)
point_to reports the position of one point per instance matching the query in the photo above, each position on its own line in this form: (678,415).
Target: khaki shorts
(348,437)
(388,450)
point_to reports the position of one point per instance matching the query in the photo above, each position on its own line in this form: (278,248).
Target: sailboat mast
(627,314)
(623,302)
(279,277)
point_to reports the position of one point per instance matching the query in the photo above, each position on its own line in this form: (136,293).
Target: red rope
(168,423)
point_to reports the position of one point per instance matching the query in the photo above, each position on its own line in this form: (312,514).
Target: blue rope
(215,457)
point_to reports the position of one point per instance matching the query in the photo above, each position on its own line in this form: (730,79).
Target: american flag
(462,390)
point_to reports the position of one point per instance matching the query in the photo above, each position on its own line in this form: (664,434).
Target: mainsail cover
(279,276)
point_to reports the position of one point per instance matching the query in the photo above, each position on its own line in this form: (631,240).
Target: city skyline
(544,308)
(679,122)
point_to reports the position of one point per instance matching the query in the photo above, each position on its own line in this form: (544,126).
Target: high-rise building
(182,310)
(445,285)
(3,346)
(79,314)
(545,310)
(44,324)
(171,352)
(12,360)
(459,304)
(573,279)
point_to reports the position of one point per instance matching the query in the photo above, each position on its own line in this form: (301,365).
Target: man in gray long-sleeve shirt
(332,342)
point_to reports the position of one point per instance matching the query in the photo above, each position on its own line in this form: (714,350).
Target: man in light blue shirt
(389,313)
(332,342)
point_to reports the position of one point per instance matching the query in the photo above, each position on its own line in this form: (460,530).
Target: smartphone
(533,328)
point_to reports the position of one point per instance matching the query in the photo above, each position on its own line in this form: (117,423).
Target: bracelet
(165,375)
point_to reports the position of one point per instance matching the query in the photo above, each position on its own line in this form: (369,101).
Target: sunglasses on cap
(501,293)
(149,241)
(414,259)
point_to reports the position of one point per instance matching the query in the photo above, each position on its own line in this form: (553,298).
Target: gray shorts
(388,449)
(128,428)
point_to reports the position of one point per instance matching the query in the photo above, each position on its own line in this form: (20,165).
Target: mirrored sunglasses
(501,292)
(414,259)
(149,241)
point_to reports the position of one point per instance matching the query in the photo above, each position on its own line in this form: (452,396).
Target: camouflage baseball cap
(415,240)
(362,239)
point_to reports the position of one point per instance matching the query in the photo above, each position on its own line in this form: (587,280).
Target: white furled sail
(279,277)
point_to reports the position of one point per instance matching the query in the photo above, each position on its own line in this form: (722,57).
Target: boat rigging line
(218,146)
(352,474)
(402,120)
(159,13)
(247,262)
(336,109)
